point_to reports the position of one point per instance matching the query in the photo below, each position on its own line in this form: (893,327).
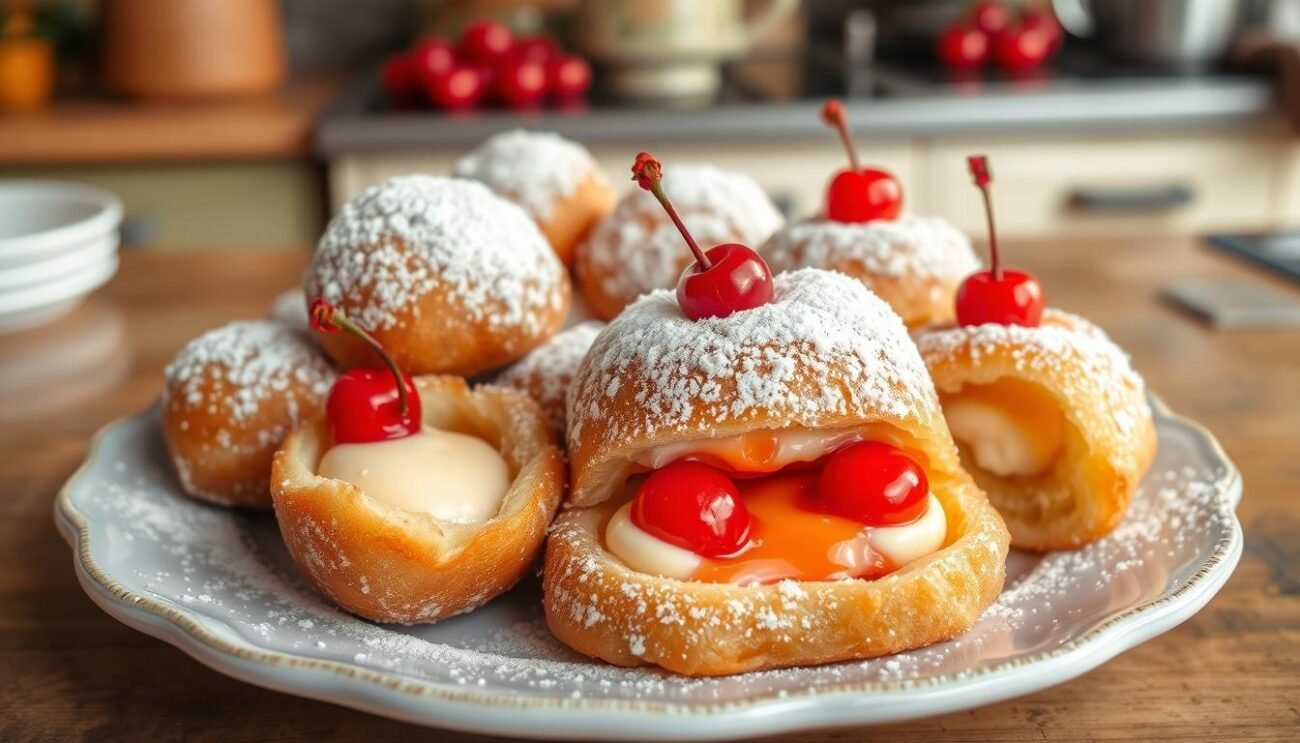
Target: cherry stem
(331,315)
(833,114)
(648,173)
(979,170)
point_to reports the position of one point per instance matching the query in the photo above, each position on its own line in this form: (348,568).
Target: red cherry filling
(693,506)
(1000,296)
(726,279)
(858,194)
(367,405)
(874,483)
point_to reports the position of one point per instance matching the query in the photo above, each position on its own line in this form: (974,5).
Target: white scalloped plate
(219,585)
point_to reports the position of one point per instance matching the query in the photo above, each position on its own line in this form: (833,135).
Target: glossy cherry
(433,58)
(521,83)
(990,17)
(399,78)
(535,49)
(858,194)
(874,483)
(724,280)
(367,405)
(1043,21)
(568,77)
(1020,49)
(963,47)
(458,90)
(695,507)
(486,42)
(997,295)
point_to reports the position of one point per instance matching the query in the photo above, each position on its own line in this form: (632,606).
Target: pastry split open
(824,364)
(390,563)
(1051,421)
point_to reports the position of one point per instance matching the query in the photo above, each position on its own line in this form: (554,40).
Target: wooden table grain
(69,671)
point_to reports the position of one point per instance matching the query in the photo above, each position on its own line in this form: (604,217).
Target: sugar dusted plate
(220,586)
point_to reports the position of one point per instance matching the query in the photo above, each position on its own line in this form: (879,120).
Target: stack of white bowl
(58,243)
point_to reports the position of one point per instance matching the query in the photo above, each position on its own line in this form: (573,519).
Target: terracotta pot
(193,48)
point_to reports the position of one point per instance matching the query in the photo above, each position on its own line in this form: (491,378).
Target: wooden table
(1231,673)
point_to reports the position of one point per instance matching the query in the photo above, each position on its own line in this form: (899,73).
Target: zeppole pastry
(636,248)
(554,179)
(415,500)
(761,477)
(546,372)
(450,277)
(914,263)
(1050,418)
(229,399)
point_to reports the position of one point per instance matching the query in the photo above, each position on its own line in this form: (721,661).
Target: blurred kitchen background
(241,124)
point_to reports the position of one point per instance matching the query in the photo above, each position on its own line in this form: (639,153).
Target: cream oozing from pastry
(905,543)
(1011,428)
(872,551)
(646,553)
(449,475)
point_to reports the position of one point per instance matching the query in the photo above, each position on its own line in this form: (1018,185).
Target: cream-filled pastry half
(433,524)
(1051,421)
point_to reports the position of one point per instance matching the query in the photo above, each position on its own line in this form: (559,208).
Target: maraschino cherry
(874,483)
(695,507)
(367,405)
(725,279)
(858,194)
(999,295)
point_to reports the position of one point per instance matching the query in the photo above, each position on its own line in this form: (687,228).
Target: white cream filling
(996,441)
(905,543)
(452,476)
(646,553)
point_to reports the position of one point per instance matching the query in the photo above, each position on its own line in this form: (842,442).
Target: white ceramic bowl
(58,242)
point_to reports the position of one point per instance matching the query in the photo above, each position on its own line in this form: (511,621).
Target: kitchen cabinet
(1047,184)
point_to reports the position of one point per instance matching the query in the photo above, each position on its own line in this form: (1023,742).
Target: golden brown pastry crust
(1110,439)
(391,565)
(450,277)
(573,216)
(914,263)
(225,411)
(434,334)
(845,362)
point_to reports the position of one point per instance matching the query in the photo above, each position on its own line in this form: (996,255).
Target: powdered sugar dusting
(245,363)
(921,247)
(547,371)
(230,570)
(532,169)
(825,345)
(636,249)
(395,242)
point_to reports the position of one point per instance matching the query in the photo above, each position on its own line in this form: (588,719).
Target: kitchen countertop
(1230,673)
(104,130)
(353,124)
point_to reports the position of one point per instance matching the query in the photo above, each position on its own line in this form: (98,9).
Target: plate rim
(400,697)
